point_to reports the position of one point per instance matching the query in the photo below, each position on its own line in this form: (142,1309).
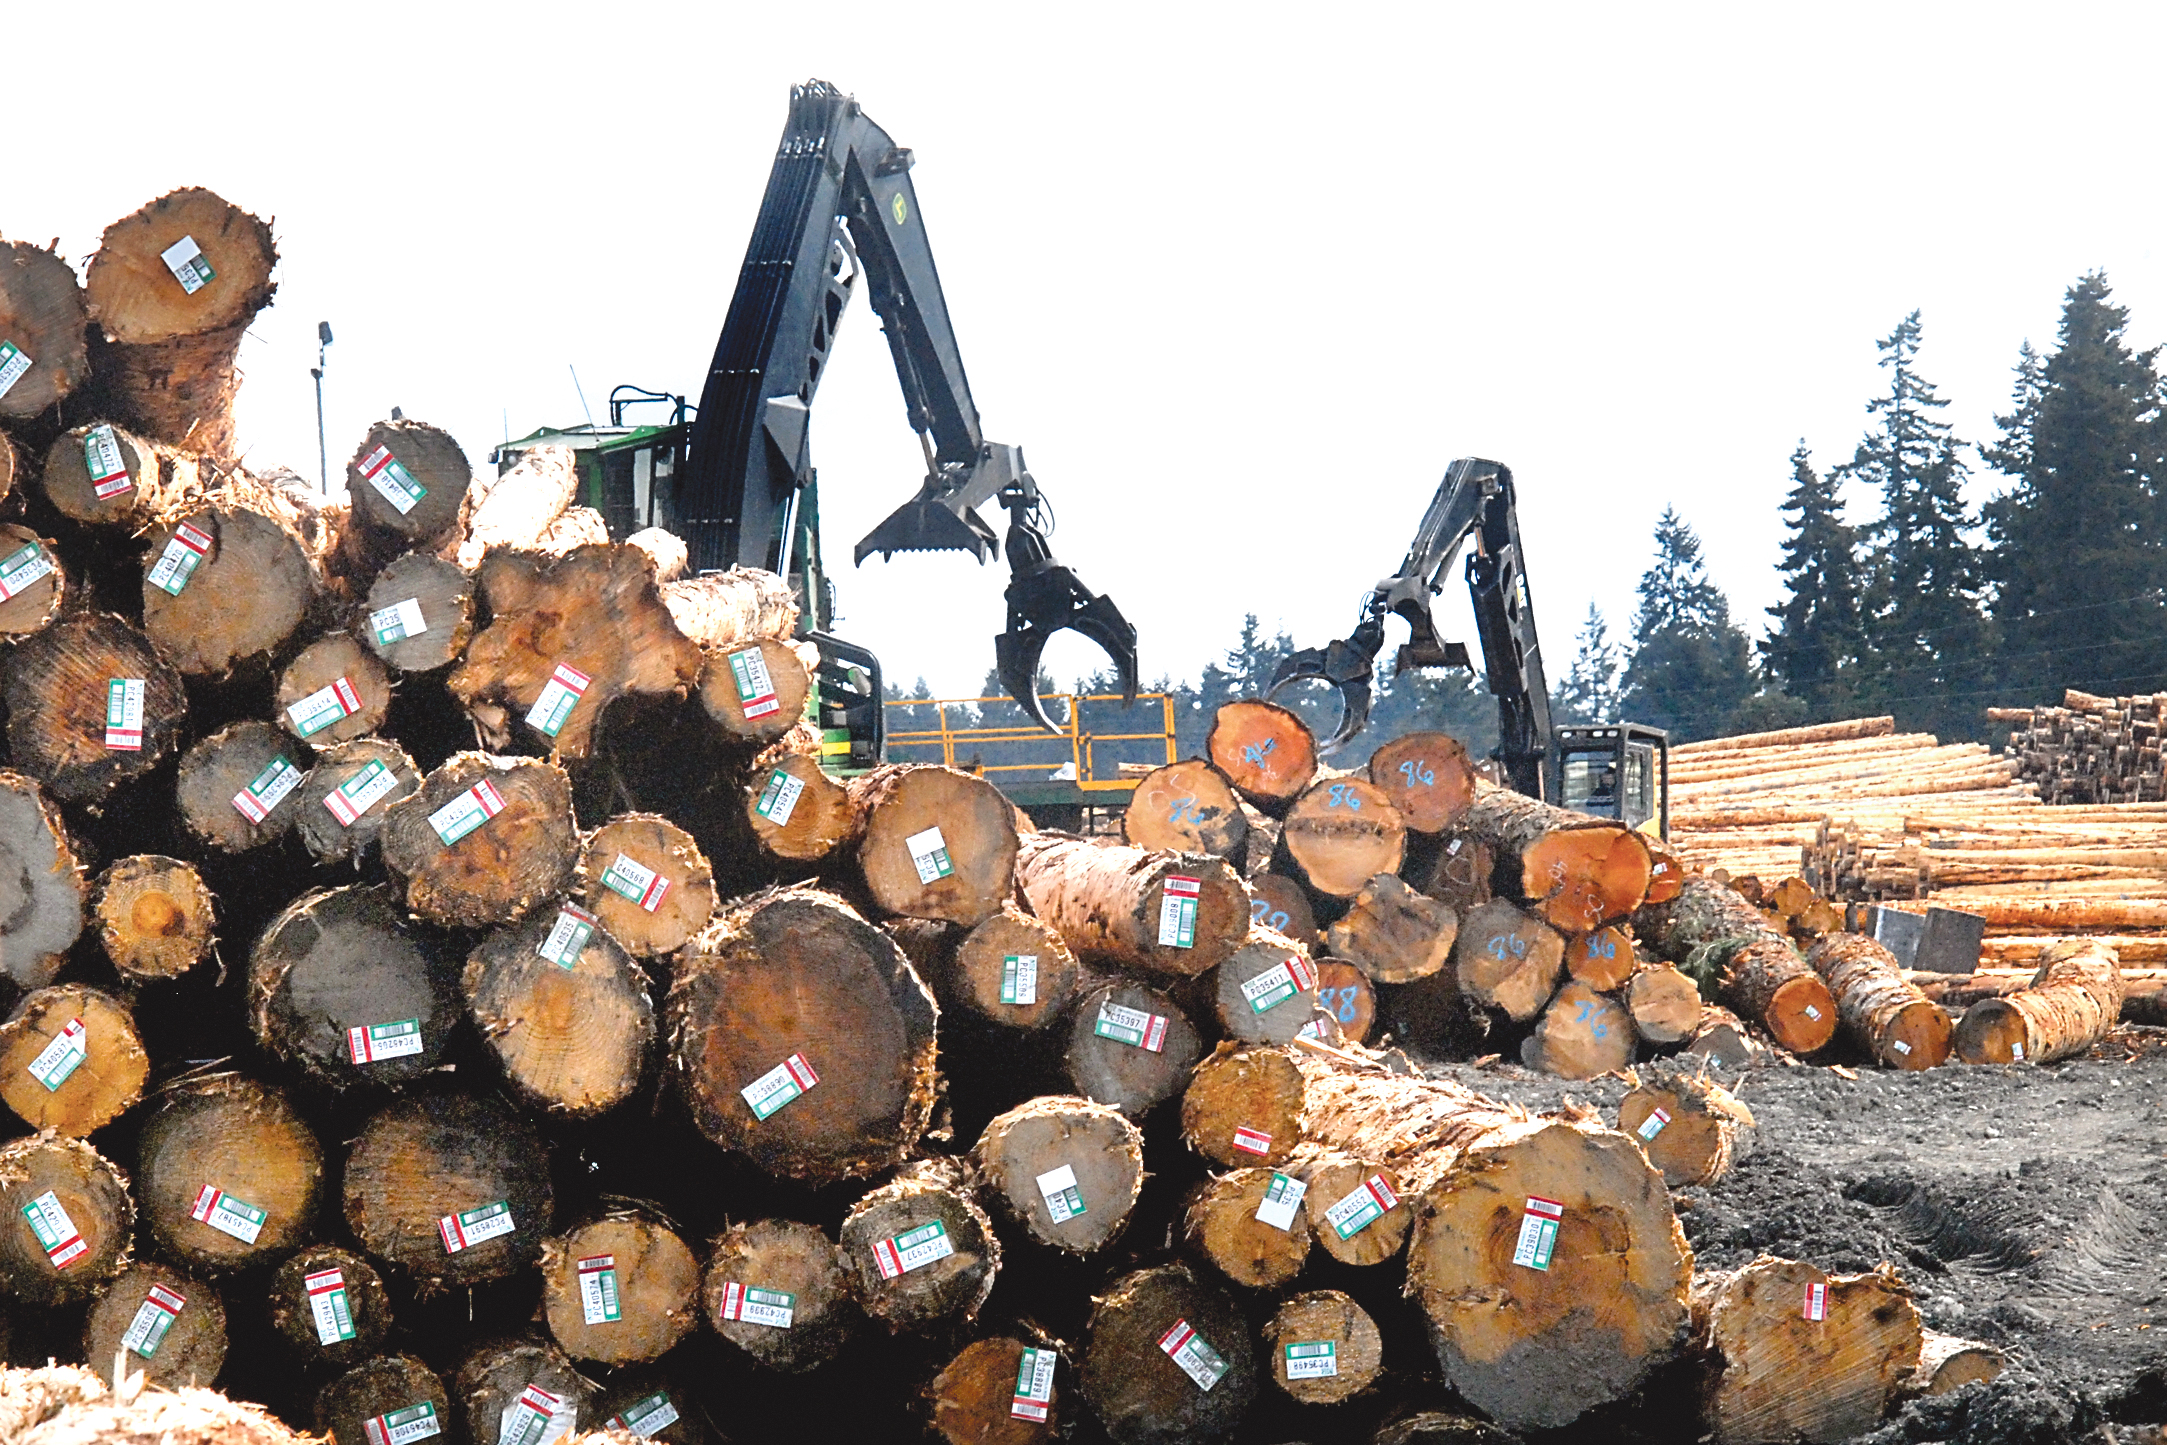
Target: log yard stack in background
(444,1005)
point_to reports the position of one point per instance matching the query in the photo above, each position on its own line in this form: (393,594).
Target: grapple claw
(1044,599)
(1343,666)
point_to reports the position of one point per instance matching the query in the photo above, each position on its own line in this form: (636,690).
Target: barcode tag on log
(645,1417)
(1312,1360)
(566,686)
(147,1331)
(1177,911)
(101,458)
(2016,1052)
(568,936)
(1281,1198)
(755,689)
(222,1212)
(778,1086)
(1198,1360)
(20,568)
(779,799)
(323,707)
(1813,1013)
(62,1057)
(393,482)
(330,1306)
(913,1249)
(635,883)
(361,792)
(1019,978)
(185,259)
(1652,1126)
(178,562)
(1252,1141)
(1900,1046)
(598,1289)
(929,855)
(463,814)
(1034,1385)
(1538,1233)
(470,1227)
(124,714)
(268,790)
(12,366)
(1282,981)
(397,622)
(1816,1306)
(1364,1207)
(415,1422)
(1131,1026)
(536,1418)
(378,1042)
(771,1307)
(55,1231)
(1064,1201)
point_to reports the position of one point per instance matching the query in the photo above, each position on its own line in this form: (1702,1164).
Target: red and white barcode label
(1252,1141)
(1816,1307)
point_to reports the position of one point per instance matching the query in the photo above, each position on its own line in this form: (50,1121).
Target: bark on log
(333,692)
(33,586)
(1508,959)
(1130,1047)
(1665,1004)
(1891,1019)
(1804,1355)
(1583,1035)
(1185,807)
(1603,960)
(791,999)
(565,1010)
(1427,777)
(329,1304)
(1281,905)
(344,991)
(978,1399)
(1724,1037)
(1947,1363)
(79,1217)
(1344,993)
(505,1386)
(797,811)
(1577,872)
(1263,845)
(513,511)
(155,917)
(1152,1341)
(1759,973)
(228,577)
(419,613)
(240,787)
(1394,934)
(1432,1427)
(1112,905)
(647,881)
(1340,834)
(175,286)
(567,636)
(666,550)
(513,840)
(729,609)
(620,1291)
(1324,1347)
(1066,1170)
(159,1323)
(367,776)
(1266,752)
(1225,1223)
(1692,1128)
(408,482)
(1266,991)
(42,321)
(934,842)
(452,1187)
(1460,874)
(388,1386)
(757,690)
(2073,1001)
(67,727)
(41,886)
(922,1250)
(71,1060)
(228,1173)
(1012,970)
(1243,1106)
(777,1289)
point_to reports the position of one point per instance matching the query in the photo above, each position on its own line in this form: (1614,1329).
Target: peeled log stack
(2072,1002)
(1804,1355)
(452,1187)
(1244,1106)
(162,1324)
(1692,1128)
(1265,751)
(1185,807)
(621,1290)
(91,704)
(564,1009)
(778,1290)
(797,811)
(42,356)
(1709,927)
(1066,1170)
(154,916)
(1172,914)
(419,613)
(923,1251)
(408,484)
(1394,934)
(228,577)
(647,881)
(1895,1022)
(802,1038)
(1578,873)
(485,840)
(79,1214)
(1166,1360)
(934,843)
(174,286)
(71,1060)
(41,886)
(1427,777)
(1342,833)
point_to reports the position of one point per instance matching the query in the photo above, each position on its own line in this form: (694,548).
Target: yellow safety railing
(1074,744)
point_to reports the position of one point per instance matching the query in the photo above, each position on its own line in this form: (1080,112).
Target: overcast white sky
(1240,279)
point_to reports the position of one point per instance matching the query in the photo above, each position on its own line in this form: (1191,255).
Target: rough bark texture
(1703,1128)
(41,316)
(93,1195)
(1664,1003)
(239,788)
(780,1257)
(1340,834)
(1427,777)
(379,1387)
(1583,1034)
(367,1306)
(348,829)
(1459,874)
(152,481)
(1104,1064)
(1139,1392)
(934,842)
(1244,1106)
(1723,1037)
(947,1289)
(648,882)
(193,1347)
(383,501)
(1222,1228)
(654,1284)
(89,1059)
(155,916)
(2072,1002)
(798,812)
(1394,934)
(434,1157)
(1324,1317)
(359,691)
(1102,1152)
(418,587)
(1264,751)
(1891,1019)
(41,886)
(1784,1376)
(728,609)
(1577,872)
(252,580)
(572,1029)
(1111,905)
(59,691)
(1508,959)
(31,578)
(514,511)
(502,869)
(1186,807)
(1710,931)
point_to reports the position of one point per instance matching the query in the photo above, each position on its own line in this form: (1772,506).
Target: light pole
(323,457)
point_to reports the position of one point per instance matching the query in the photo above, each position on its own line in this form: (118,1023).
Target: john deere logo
(902,211)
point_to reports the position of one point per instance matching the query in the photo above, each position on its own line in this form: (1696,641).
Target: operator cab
(627,473)
(1621,772)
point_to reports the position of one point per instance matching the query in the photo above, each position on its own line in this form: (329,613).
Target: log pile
(2091,749)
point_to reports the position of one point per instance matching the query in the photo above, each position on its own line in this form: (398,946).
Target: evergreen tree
(1813,651)
(1590,693)
(2078,561)
(1692,668)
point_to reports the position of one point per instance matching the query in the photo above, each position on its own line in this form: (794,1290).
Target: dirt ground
(2021,1204)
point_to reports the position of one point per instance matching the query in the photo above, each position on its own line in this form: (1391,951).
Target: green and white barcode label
(377,1042)
(929,855)
(1178,898)
(1127,1025)
(269,789)
(62,1057)
(473,1226)
(1312,1359)
(12,366)
(1362,1207)
(755,689)
(124,714)
(1538,1233)
(329,1305)
(1034,1385)
(899,1254)
(56,1232)
(20,568)
(185,259)
(463,814)
(101,458)
(1198,1360)
(1281,1198)
(222,1212)
(1019,978)
(178,563)
(415,1422)
(1064,1201)
(598,1289)
(1282,981)
(779,799)
(771,1307)
(392,481)
(359,793)
(646,1417)
(635,882)
(155,1316)
(566,686)
(567,936)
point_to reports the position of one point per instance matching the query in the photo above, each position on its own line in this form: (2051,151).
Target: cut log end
(1393,933)
(935,843)
(1265,751)
(155,916)
(1583,1034)
(1427,776)
(1185,807)
(978,1397)
(647,881)
(1243,1106)
(230,578)
(387,1385)
(167,1326)
(1603,960)
(329,1304)
(42,319)
(565,1010)
(74,1195)
(408,481)
(1065,1169)
(451,1187)
(1130,1047)
(333,692)
(343,799)
(240,787)
(922,1250)
(496,1374)
(1509,959)
(757,689)
(1226,1224)
(1266,991)
(1153,1341)
(1340,834)
(777,1289)
(1325,1347)
(1665,1004)
(484,840)
(228,1173)
(91,704)
(620,1291)
(71,1060)
(1692,1128)
(1807,1355)
(798,812)
(419,613)
(1014,970)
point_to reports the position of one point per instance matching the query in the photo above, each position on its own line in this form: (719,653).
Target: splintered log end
(64,727)
(227,578)
(923,1251)
(349,1406)
(1341,833)
(42,914)
(1692,1128)
(155,916)
(777,1290)
(1185,807)
(1583,1034)
(802,1038)
(1264,750)
(1130,1047)
(41,317)
(647,881)
(1805,1355)
(1665,1004)
(1223,1225)
(1173,914)
(565,1010)
(485,840)
(367,776)
(408,481)
(496,1373)
(1509,959)
(1244,1106)
(351,1327)
(419,613)
(1427,777)
(1065,1169)
(1540,1346)
(1325,1347)
(652,1296)
(71,1060)
(1393,933)
(935,843)
(240,787)
(1154,1338)
(1666,875)
(63,1184)
(797,811)
(723,610)
(1013,970)
(976,1398)
(192,1348)
(333,692)
(433,1181)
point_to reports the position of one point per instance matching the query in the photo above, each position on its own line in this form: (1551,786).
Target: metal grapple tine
(1343,666)
(1047,598)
